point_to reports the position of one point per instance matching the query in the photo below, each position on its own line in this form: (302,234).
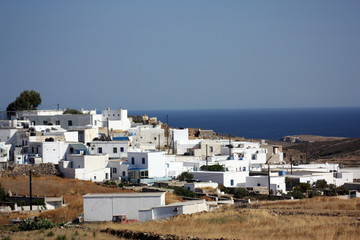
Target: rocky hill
(343,151)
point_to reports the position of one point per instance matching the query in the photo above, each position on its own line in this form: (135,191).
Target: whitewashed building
(277,183)
(115,119)
(161,212)
(115,149)
(227,179)
(85,167)
(146,164)
(102,207)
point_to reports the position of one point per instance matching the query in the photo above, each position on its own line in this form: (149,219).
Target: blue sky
(144,55)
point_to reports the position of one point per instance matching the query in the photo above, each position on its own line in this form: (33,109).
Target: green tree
(214,168)
(321,184)
(28,100)
(72,111)
(185,176)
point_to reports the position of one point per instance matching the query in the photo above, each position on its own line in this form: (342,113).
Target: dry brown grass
(172,198)
(238,223)
(318,203)
(70,233)
(235,223)
(71,189)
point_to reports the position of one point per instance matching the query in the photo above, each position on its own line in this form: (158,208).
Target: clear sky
(144,55)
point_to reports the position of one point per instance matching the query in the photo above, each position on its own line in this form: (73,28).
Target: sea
(265,123)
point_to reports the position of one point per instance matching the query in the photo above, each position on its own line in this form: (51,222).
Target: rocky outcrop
(37,169)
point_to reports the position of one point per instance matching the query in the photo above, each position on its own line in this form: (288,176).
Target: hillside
(343,151)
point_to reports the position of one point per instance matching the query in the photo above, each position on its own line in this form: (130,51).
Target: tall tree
(26,101)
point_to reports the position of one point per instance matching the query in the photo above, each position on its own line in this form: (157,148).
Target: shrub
(314,193)
(241,193)
(61,237)
(50,234)
(321,184)
(214,168)
(297,194)
(184,192)
(224,189)
(35,224)
(185,176)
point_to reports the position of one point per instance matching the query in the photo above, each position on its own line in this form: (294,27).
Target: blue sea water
(266,123)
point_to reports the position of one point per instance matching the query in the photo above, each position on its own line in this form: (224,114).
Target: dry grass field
(71,189)
(319,218)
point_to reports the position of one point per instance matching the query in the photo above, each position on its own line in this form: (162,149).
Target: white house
(85,167)
(118,169)
(161,212)
(115,149)
(148,137)
(146,164)
(116,119)
(57,117)
(102,207)
(4,154)
(277,183)
(228,179)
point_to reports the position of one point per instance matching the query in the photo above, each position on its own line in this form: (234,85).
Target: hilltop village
(142,151)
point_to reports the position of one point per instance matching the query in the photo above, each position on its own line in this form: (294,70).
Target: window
(113,115)
(45,122)
(106,176)
(114,170)
(57,122)
(99,150)
(232,182)
(211,149)
(70,123)
(124,174)
(114,150)
(143,160)
(121,149)
(132,161)
(244,169)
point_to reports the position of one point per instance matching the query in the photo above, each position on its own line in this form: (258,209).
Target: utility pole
(159,143)
(268,163)
(207,168)
(30,191)
(230,146)
(108,128)
(167,132)
(58,107)
(269,179)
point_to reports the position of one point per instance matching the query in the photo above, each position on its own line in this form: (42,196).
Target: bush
(314,193)
(297,194)
(61,237)
(224,189)
(185,176)
(35,224)
(183,192)
(342,191)
(214,168)
(321,184)
(241,193)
